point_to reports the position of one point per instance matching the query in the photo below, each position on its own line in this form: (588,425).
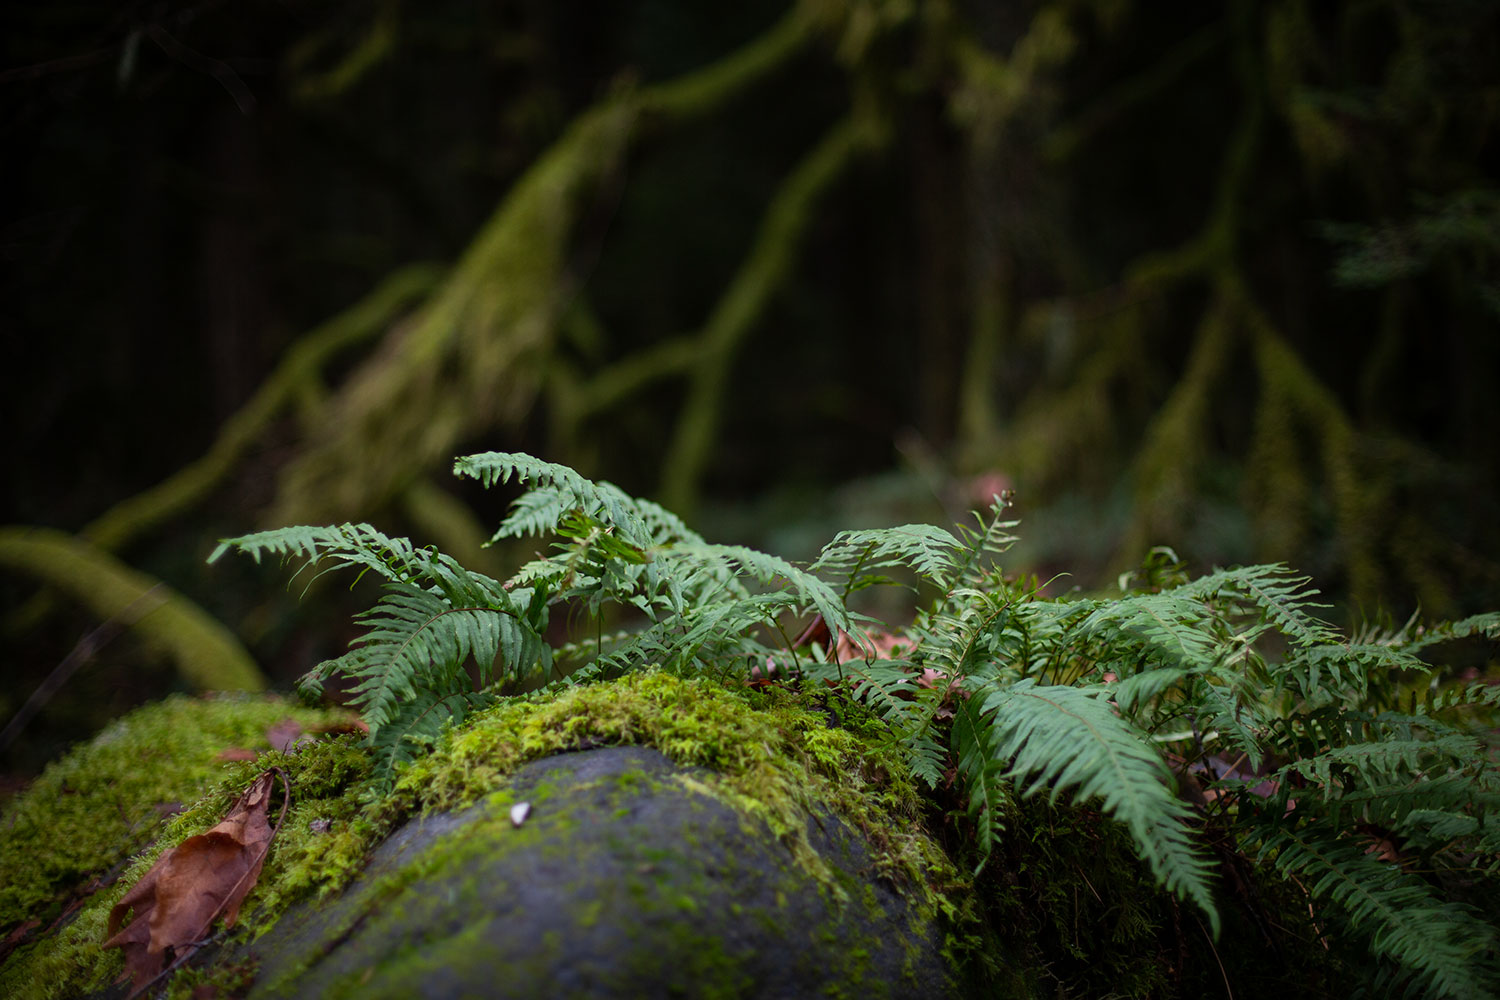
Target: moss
(93,808)
(774,760)
(457,876)
(90,811)
(770,759)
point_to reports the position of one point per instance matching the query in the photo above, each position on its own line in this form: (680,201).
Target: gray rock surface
(624,880)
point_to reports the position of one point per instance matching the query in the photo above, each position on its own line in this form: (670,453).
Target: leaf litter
(205,877)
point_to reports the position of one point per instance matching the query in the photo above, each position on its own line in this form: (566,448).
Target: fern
(855,555)
(434,618)
(1060,738)
(567,490)
(983,768)
(768,569)
(1093,700)
(1445,947)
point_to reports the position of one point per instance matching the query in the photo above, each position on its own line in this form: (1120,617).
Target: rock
(644,836)
(626,878)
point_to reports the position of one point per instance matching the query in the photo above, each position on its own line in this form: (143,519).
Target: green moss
(660,890)
(774,760)
(108,798)
(89,812)
(770,759)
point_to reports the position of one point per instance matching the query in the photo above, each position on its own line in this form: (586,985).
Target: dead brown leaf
(192,885)
(875,645)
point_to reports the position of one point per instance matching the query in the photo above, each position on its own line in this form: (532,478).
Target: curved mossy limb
(474,358)
(284,388)
(304,363)
(743,303)
(374,48)
(1170,459)
(207,654)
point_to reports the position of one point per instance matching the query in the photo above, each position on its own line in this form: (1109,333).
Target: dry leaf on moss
(192,885)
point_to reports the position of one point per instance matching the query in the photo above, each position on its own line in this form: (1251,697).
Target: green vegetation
(108,799)
(1217,720)
(767,756)
(147,782)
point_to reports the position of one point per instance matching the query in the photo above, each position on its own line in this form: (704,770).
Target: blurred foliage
(1221,278)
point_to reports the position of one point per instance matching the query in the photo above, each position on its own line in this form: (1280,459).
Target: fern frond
(1485,624)
(982,774)
(566,487)
(666,528)
(358,545)
(1380,761)
(536,512)
(1137,689)
(418,641)
(769,569)
(421,721)
(1343,672)
(1446,945)
(1460,696)
(887,688)
(1282,599)
(1239,722)
(1168,627)
(1433,827)
(710,637)
(1064,739)
(991,538)
(927,549)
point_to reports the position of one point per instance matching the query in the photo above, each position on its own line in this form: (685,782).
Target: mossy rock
(683,839)
(627,878)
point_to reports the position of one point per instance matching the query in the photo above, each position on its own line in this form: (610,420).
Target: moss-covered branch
(206,653)
(1171,457)
(290,385)
(743,303)
(474,359)
(302,366)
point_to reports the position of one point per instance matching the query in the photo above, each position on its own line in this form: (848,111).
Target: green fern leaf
(769,569)
(1485,624)
(566,486)
(1169,627)
(1281,597)
(991,538)
(927,549)
(358,545)
(982,774)
(1445,945)
(1067,740)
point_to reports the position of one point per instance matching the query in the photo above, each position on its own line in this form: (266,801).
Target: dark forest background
(1222,277)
